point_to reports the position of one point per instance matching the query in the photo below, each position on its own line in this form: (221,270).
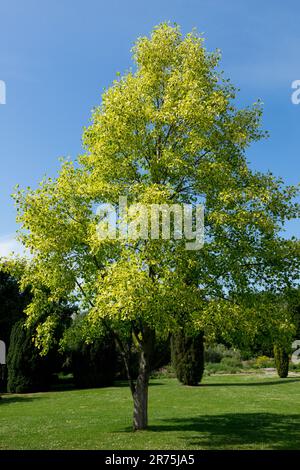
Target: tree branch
(117,340)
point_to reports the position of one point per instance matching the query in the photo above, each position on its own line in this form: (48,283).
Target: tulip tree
(166,132)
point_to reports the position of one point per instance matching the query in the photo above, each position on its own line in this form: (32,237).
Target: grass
(225,412)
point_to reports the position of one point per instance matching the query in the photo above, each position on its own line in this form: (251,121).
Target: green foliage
(294,367)
(165,372)
(160,360)
(161,356)
(281,356)
(12,304)
(264,361)
(231,362)
(93,365)
(167,133)
(214,353)
(27,370)
(92,360)
(223,368)
(188,357)
(292,299)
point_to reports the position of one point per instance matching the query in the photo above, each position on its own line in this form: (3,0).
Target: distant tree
(27,370)
(281,356)
(188,357)
(290,301)
(93,364)
(162,352)
(12,304)
(292,298)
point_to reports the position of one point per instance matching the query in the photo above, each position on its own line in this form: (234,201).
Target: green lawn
(225,412)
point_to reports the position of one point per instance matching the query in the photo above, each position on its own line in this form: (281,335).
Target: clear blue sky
(56,57)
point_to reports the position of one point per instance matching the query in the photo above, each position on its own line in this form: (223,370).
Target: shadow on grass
(11,399)
(124,383)
(251,384)
(257,430)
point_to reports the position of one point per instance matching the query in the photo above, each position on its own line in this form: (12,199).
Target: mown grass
(225,412)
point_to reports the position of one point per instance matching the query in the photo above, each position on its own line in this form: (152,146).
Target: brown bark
(140,392)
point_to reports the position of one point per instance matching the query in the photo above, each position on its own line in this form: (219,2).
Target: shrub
(294,367)
(166,372)
(281,361)
(91,360)
(188,357)
(161,355)
(231,362)
(222,368)
(263,361)
(94,365)
(27,370)
(216,352)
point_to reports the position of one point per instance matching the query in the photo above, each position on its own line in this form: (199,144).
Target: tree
(281,356)
(290,301)
(188,357)
(27,370)
(166,133)
(12,305)
(94,364)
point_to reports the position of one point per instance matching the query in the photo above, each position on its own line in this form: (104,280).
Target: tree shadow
(252,384)
(237,430)
(10,399)
(124,383)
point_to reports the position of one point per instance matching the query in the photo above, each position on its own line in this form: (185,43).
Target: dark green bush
(294,367)
(94,365)
(161,355)
(27,370)
(188,357)
(12,304)
(166,372)
(281,357)
(214,353)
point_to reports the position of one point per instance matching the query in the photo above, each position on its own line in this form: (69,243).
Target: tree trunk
(140,392)
(140,402)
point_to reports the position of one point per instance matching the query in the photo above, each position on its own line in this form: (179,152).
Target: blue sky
(57,56)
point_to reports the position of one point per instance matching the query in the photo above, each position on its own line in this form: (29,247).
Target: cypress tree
(188,357)
(281,361)
(27,370)
(94,365)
